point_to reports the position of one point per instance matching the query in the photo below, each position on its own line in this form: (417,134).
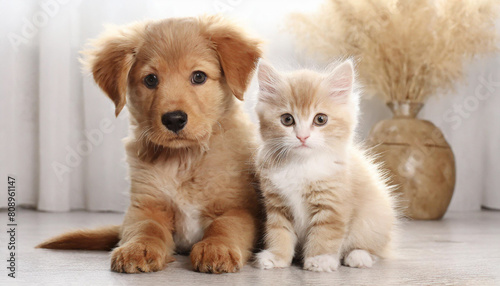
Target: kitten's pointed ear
(269,81)
(340,80)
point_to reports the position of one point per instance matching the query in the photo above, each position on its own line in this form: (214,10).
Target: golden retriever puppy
(188,148)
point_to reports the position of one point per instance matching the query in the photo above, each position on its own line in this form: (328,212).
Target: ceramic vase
(419,161)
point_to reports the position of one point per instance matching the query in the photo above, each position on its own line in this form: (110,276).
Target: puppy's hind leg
(227,243)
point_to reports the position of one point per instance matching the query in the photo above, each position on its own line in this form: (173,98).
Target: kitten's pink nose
(302,138)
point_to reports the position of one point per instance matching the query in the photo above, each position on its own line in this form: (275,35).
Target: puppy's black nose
(175,120)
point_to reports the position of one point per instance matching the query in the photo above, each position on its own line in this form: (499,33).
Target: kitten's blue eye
(287,119)
(320,119)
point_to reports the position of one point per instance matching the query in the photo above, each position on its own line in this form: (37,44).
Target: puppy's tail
(103,238)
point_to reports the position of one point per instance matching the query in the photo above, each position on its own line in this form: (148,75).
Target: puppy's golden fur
(190,191)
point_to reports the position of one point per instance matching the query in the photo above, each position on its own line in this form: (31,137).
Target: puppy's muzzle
(175,120)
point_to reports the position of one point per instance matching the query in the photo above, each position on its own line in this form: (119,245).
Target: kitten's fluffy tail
(103,238)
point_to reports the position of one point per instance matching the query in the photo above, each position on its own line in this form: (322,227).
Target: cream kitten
(323,194)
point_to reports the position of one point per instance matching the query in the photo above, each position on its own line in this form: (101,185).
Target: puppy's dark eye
(320,119)
(151,81)
(198,77)
(287,119)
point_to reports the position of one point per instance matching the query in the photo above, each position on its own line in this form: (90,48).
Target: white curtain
(60,140)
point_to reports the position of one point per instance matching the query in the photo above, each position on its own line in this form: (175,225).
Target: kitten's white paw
(322,263)
(267,260)
(359,258)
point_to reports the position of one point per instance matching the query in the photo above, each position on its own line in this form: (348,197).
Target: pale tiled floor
(461,249)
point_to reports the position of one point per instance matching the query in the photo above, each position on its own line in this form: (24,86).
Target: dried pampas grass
(407,49)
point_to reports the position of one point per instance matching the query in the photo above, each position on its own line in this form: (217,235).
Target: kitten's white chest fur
(291,182)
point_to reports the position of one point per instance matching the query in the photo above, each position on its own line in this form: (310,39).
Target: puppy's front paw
(267,260)
(359,258)
(213,256)
(135,257)
(322,263)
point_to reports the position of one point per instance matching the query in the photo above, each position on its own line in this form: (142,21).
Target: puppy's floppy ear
(111,59)
(238,53)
